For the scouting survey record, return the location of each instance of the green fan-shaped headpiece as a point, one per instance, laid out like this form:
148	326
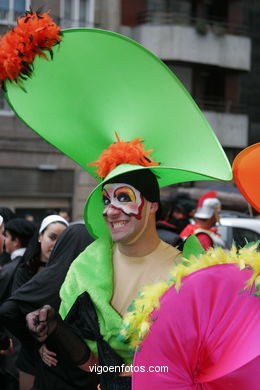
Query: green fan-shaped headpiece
100	82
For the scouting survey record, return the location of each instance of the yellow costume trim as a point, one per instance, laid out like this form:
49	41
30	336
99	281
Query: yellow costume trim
137	321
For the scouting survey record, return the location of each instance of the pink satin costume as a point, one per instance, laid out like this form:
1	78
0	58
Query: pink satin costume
208	335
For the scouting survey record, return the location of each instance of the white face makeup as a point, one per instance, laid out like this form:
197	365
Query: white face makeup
123	197
125	211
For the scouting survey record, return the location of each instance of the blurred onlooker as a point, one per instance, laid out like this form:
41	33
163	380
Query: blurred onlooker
7	215
18	232
182	210
166	230
64	214
8	372
39	249
1	234
29	217
206	217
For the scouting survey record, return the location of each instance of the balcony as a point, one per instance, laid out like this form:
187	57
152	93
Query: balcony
219	26
179	37
228	119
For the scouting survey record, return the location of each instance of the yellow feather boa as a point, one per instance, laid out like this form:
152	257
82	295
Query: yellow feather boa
137	321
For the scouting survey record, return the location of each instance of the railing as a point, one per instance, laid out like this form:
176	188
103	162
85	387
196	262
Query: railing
70	23
219	105
203	26
9	17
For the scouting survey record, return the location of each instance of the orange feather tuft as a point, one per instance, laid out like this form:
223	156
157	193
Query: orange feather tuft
33	34
122	152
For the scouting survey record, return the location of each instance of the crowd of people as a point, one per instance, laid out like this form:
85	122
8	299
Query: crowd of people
38	261
182	216
30	279
34	263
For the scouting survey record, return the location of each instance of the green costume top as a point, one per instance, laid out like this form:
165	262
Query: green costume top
92	271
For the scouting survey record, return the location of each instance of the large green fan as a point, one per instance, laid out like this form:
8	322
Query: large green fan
100	82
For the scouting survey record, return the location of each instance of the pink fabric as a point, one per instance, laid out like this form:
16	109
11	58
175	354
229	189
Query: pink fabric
208	335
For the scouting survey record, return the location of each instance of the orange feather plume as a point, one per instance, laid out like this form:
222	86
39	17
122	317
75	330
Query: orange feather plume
122	152
33	34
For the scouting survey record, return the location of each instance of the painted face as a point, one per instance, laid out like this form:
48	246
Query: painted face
48	239
123	197
124	211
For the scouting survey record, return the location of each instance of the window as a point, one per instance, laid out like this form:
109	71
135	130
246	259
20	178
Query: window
176	6
210	87
67	9
4	106
83	12
4	9
77	13
11	9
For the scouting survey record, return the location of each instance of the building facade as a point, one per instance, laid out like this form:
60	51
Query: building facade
211	45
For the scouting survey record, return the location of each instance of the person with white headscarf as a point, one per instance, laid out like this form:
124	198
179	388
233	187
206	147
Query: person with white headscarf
39	249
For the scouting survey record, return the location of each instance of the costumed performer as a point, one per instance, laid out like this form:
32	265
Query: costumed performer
206	217
137	95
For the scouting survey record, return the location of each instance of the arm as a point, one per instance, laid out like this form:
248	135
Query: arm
45	323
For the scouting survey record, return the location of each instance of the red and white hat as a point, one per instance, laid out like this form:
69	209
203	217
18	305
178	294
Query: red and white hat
208	205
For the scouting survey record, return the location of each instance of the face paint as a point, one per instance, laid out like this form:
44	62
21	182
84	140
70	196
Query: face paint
123	197
126	212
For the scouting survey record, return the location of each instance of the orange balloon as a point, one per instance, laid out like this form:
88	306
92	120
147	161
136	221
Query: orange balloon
246	171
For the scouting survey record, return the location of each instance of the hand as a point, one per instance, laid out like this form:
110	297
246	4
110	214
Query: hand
48	356
9	350
42	322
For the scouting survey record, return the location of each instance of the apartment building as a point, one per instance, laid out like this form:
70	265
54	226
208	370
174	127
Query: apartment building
35	177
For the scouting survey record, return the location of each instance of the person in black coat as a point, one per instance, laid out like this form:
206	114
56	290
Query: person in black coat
18	233
7	214
44	288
